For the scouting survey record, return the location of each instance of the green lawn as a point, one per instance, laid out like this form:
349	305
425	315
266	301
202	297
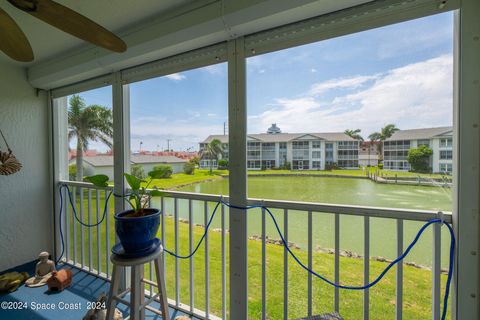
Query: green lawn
417	282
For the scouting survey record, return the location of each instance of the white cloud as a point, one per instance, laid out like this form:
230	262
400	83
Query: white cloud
415	95
176	76
313	70
350	83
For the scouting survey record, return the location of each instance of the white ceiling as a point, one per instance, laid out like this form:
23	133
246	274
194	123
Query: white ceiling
114	15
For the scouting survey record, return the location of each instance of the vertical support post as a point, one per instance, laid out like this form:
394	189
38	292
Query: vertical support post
59	163
121	144
366	267
237	123
436	270
466	215
336	296
399	274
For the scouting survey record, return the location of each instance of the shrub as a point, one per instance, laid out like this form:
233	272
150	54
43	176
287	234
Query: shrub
380	166
72	172
165	170
331	166
287	166
138	172
189	168
195	161
419	158
222	164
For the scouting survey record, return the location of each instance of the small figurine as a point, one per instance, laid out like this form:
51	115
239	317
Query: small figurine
43	271
60	280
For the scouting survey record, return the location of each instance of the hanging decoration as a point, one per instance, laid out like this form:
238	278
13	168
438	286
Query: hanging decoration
8	163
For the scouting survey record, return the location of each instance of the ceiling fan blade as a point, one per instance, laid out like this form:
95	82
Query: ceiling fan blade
12	39
71	22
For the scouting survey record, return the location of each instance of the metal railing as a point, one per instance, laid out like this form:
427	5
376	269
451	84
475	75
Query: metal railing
96	257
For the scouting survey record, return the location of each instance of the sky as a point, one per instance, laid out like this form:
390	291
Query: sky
400	74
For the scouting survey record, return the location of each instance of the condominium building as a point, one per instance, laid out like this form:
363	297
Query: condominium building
304	151
395	149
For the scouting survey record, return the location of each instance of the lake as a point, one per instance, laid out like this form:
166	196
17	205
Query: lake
349	191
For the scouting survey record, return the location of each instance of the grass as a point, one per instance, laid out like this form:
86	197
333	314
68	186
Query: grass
182	179
417	282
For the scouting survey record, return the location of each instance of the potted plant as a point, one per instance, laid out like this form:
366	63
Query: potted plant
136	227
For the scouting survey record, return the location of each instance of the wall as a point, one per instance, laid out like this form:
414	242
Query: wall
25	197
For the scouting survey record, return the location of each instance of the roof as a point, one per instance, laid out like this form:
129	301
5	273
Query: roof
425	133
284	137
106	161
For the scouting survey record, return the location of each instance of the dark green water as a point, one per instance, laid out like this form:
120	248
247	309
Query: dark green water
349	191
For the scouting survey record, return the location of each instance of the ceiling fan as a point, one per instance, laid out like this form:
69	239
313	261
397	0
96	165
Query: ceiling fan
14	43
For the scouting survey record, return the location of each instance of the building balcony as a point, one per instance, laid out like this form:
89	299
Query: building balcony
198	286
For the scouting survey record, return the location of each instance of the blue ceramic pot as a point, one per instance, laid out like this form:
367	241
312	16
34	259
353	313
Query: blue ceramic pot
137	233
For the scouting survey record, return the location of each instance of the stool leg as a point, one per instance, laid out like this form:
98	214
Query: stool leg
161	288
111	303
135	293
142	291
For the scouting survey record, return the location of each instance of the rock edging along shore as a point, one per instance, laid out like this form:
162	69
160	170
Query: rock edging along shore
342	253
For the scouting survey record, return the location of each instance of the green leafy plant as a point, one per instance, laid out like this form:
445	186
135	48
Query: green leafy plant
165	170
419	158
189	168
139	196
223	164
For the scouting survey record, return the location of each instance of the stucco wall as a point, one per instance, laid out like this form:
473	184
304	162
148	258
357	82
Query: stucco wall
25	198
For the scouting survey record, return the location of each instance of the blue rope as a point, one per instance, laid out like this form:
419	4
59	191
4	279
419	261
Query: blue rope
62	187
384	272
285	244
201	239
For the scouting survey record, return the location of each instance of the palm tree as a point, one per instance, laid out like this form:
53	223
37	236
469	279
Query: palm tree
88	123
354	134
211	151
385	133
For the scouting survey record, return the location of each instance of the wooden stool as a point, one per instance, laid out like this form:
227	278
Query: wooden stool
137	302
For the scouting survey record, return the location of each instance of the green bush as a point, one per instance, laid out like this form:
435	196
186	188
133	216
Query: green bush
331	166
189	168
222	164
380	166
195	160
138	172
286	166
72	172
419	159
165	170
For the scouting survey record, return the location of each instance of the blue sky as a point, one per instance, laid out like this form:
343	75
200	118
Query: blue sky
398	74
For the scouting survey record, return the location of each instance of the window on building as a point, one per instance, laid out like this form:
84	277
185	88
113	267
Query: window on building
423	142
446	143
446	167
445	154
316	144
316	154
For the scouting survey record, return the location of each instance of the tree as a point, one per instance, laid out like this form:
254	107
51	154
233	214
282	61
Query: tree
211	151
385	133
354	134
88	123
419	158
138	172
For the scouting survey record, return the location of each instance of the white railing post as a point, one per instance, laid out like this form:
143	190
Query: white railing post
466	215
237	124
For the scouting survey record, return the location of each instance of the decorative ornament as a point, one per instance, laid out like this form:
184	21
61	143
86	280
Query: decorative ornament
8	163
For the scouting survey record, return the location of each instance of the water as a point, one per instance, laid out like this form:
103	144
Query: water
340	191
